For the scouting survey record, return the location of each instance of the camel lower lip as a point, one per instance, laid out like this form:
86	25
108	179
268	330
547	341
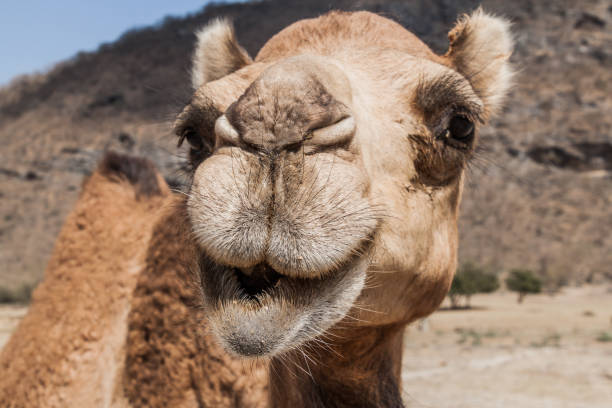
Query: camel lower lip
251	306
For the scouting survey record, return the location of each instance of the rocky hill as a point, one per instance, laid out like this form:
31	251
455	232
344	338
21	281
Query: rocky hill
538	195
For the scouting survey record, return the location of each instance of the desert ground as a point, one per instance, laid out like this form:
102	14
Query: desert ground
549	352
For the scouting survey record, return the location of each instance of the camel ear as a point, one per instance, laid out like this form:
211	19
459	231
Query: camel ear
217	53
480	46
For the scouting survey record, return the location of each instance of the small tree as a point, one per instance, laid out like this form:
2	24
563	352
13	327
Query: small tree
523	281
471	279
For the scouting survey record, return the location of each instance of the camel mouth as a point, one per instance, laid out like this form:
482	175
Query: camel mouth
258	312
260	285
257	281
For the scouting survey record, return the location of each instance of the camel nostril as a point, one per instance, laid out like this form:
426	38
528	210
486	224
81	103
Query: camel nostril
225	131
337	133
257	279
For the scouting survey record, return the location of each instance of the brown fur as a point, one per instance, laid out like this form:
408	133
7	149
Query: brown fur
347	31
171	359
66	352
78	347
362	370
139	172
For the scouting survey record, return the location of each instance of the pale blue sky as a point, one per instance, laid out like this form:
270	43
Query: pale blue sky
36	34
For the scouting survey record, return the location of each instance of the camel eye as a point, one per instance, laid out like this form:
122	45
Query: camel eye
193	138
460	129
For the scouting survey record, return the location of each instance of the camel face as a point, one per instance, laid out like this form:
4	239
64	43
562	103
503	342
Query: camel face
282	210
328	173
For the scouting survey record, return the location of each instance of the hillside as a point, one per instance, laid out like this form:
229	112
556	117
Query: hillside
539	194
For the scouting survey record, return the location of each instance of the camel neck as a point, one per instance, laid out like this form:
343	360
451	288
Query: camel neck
363	371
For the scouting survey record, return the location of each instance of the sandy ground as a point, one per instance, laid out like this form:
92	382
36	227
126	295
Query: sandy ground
544	353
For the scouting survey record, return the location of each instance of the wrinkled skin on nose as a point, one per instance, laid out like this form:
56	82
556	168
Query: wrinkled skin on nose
288	102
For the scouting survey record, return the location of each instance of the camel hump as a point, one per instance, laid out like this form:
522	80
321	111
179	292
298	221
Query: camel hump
138	171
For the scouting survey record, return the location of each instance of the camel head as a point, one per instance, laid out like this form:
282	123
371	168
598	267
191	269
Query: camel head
328	171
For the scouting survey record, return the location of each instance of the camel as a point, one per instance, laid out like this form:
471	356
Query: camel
78	345
327	178
66	350
321	220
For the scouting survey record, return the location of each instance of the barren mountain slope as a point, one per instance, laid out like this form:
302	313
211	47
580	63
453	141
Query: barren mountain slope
537	196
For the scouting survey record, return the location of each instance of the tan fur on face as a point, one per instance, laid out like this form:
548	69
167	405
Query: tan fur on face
217	53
